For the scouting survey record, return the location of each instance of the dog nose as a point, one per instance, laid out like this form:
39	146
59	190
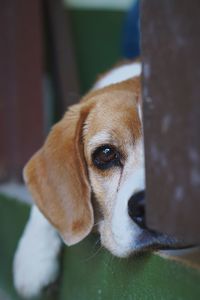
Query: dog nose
136	208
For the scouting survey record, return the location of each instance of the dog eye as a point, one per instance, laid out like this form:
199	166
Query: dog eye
106	157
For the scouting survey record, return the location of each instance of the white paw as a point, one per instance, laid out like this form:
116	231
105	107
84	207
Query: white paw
36	263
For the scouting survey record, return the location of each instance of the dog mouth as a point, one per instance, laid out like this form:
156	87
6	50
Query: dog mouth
150	240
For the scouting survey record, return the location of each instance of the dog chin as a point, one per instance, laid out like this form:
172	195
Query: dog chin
116	249
120	246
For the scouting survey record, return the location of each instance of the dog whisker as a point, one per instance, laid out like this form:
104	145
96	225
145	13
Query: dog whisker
97	223
94	254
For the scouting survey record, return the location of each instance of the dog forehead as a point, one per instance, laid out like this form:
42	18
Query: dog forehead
116	114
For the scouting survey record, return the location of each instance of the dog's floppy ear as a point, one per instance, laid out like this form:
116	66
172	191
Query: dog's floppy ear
57	178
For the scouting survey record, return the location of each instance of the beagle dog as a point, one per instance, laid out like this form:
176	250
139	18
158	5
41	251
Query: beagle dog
90	171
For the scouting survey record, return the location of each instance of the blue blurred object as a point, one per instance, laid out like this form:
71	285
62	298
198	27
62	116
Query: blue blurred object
131	33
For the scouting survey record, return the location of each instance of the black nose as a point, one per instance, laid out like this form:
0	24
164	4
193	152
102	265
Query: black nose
136	208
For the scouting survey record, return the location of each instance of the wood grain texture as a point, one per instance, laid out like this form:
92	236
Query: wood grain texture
171	76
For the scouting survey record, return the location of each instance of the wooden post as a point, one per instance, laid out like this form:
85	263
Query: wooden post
171	90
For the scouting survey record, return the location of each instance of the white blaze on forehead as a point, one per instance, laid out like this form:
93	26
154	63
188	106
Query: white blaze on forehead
119	74
140	111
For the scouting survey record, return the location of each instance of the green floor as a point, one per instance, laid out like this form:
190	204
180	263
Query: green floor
92	273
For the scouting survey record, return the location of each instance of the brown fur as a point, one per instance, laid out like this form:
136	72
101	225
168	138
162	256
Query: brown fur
57	174
133	85
57	178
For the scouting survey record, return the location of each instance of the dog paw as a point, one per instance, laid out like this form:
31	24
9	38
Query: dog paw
36	263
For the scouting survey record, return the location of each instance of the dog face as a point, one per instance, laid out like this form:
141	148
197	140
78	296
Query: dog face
113	148
96	149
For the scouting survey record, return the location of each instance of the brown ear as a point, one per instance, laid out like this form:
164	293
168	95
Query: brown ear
57	178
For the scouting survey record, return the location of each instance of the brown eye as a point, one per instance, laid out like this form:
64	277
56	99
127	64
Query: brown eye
106	157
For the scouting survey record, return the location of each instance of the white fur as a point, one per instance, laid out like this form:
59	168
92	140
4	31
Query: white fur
36	259
122	236
140	111
98	139
119	74
126	231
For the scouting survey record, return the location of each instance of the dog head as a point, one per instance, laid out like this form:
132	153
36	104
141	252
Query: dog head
96	149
